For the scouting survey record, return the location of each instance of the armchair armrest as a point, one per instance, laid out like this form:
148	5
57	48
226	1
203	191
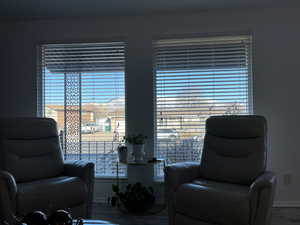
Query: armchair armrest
175	175
266	180
264	188
179	173
78	168
7	181
86	171
8	192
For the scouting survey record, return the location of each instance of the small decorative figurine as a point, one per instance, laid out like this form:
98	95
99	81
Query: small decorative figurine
79	221
60	217
35	218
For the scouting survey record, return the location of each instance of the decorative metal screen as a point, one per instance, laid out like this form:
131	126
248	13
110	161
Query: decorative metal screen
197	78
83	89
72	126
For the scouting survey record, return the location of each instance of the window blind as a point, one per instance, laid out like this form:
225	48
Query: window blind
197	78
83	89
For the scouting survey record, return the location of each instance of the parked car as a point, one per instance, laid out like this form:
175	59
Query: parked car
167	134
198	138
90	128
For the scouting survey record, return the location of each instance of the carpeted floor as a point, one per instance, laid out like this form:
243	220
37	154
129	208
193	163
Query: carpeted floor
280	216
286	216
116	216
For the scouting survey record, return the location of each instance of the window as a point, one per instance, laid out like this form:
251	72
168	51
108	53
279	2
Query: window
83	89
197	78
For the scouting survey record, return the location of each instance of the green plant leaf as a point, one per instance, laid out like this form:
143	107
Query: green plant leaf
115	188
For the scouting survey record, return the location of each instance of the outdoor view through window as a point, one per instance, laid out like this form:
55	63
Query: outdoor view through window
83	89
197	78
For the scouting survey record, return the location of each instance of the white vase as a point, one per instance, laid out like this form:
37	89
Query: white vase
138	152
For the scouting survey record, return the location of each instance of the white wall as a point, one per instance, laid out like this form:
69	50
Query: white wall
276	37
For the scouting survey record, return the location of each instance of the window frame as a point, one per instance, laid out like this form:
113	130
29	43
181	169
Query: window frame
40	92
191	36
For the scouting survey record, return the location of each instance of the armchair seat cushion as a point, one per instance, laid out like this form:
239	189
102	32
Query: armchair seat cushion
62	192
220	203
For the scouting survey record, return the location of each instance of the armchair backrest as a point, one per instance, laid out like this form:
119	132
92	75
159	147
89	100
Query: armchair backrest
29	148
234	149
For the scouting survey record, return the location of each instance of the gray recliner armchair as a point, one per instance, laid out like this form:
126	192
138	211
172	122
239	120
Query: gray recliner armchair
33	175
230	186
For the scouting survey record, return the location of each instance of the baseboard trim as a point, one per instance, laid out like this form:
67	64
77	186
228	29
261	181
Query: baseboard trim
286	204
283	204
101	199
277	204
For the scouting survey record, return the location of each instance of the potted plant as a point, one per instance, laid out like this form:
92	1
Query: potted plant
136	198
136	145
122	153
